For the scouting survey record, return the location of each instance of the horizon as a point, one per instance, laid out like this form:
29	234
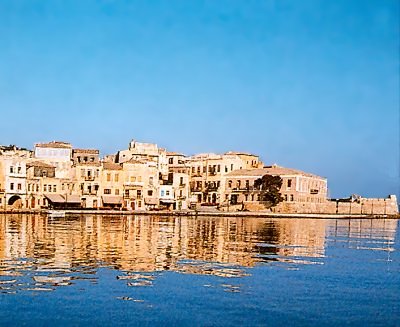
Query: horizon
312	85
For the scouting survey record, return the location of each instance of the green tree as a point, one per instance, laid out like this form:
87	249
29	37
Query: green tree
269	187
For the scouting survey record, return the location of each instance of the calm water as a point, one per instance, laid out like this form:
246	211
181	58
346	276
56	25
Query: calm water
141	270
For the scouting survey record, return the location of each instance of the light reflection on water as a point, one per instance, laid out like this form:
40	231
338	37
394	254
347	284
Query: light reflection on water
40	255
55	252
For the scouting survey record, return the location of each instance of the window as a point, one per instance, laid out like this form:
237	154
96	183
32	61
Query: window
127	193
116	191
116	177
162	192
29	187
291	197
181	181
285	197
11	169
108	177
151	180
231	167
192	170
180	193
62	186
230	184
226	169
139	203
171	161
37	188
289	183
11	186
44	188
238	184
139	194
54	188
19	170
218	168
133	178
247	184
167	193
82	172
150	193
204	169
107	191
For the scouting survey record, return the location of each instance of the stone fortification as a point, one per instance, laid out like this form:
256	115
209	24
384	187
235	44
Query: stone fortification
363	206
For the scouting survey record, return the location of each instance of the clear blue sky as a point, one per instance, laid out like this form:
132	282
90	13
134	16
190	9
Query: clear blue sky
307	84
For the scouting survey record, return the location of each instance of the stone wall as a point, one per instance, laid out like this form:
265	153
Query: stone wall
365	206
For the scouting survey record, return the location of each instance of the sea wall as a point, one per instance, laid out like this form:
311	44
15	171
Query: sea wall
363	206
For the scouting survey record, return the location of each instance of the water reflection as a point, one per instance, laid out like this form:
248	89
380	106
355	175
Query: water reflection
40	254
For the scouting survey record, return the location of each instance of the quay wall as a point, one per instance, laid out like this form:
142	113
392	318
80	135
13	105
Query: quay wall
364	206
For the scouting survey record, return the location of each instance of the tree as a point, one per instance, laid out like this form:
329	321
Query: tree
269	187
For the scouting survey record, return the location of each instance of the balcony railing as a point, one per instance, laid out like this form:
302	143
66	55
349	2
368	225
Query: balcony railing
89	178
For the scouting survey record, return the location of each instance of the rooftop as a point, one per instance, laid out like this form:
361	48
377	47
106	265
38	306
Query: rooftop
271	170
54	144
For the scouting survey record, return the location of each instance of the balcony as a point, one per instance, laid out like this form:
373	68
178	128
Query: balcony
134	184
182	185
89	192
195	189
89	178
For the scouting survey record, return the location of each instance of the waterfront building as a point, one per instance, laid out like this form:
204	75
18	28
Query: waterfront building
297	186
87	176
140	184
13	181
111	185
207	171
145	152
178	177
58	154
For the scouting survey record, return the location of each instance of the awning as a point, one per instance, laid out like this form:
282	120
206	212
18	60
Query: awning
111	199
151	201
167	200
72	198
55	198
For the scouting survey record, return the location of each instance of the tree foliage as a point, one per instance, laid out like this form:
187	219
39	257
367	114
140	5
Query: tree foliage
269	187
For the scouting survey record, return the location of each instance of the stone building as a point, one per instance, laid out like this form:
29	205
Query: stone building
178	177
207	171
145	152
87	176
112	185
140	184
297	187
58	154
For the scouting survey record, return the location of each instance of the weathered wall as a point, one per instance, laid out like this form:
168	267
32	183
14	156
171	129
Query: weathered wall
372	206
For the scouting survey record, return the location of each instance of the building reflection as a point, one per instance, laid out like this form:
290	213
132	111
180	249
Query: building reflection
154	243
56	252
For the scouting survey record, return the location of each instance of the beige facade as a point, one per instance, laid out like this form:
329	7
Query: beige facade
145	152
112	185
297	186
140	184
87	176
179	177
207	171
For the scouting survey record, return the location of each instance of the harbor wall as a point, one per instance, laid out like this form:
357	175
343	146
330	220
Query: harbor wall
363	206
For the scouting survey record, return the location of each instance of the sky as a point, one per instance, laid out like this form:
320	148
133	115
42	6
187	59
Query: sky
310	84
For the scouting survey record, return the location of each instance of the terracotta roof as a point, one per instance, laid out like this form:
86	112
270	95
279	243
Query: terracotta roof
39	164
54	144
175	154
111	166
241	153
271	170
